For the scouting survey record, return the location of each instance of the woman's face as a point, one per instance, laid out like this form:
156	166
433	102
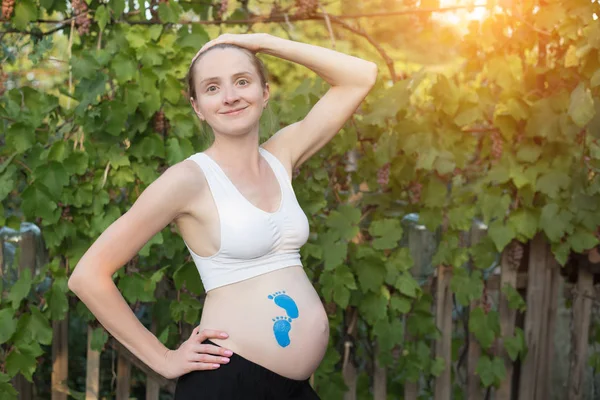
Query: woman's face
229	93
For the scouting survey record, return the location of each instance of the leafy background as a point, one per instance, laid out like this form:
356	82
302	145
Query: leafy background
492	120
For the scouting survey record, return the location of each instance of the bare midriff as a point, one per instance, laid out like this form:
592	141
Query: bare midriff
289	343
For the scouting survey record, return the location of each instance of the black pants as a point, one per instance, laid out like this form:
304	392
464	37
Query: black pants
241	379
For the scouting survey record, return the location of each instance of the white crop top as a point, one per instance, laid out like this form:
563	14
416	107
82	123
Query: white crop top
253	241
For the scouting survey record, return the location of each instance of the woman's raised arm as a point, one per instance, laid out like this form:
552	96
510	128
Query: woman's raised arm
351	79
162	202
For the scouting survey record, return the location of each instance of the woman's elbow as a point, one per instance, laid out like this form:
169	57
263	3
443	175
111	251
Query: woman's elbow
372	72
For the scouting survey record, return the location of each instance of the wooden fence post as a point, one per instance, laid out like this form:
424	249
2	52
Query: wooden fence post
582	307
60	358
550	308
379	378
443	319
123	377
534	379
509	268
92	371
348	368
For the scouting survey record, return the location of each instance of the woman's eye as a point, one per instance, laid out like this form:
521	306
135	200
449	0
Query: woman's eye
244	81
210	88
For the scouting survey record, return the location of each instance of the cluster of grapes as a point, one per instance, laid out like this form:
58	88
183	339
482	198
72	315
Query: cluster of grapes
161	124
414	192
497	146
306	7
82	18
383	175
222	9
514	254
66	212
7	8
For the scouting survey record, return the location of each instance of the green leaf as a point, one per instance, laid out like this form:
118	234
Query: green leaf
491	371
467	287
386	233
371	273
555	221
175	153
484	326
7	391
20	289
136	287
20	136
336	250
407	285
343	221
341	295
501	234
373	307
25	12
529	153
400	304
551	182
99	338
21	361
169	12
8	325
57	299
102	16
515	301
582	240
39	326
344	276
123	68
581	108
117	6
515	344
194	40
54	176
37	202
188	275
524	222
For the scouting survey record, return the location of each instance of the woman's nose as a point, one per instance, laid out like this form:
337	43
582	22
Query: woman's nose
231	95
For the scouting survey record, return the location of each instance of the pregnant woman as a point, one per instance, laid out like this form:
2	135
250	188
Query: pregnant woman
263	330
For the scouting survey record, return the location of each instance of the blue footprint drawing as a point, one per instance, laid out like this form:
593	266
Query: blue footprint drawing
281	330
284	301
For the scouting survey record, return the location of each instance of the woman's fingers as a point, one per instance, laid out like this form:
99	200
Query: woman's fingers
211	349
210	333
209	359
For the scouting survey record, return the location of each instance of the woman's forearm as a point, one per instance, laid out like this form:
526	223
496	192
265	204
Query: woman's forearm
336	68
104	300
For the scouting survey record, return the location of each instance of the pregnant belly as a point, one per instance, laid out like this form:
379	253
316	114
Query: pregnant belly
275	320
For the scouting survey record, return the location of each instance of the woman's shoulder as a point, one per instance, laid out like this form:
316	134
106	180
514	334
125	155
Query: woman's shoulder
185	176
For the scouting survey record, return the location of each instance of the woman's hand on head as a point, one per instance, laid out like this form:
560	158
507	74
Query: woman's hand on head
192	355
250	41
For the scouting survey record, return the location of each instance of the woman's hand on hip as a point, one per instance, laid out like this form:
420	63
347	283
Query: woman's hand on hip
192	355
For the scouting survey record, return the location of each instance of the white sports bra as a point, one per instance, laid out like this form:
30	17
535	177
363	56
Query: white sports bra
253	241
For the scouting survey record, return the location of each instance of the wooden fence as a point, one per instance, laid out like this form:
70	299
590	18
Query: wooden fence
536	277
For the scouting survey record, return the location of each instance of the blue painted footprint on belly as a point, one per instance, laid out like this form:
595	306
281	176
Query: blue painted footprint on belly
284	301
281	330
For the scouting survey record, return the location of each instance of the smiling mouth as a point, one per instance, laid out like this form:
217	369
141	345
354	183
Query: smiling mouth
234	112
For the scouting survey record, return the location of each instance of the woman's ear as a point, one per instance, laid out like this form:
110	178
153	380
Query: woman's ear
194	106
